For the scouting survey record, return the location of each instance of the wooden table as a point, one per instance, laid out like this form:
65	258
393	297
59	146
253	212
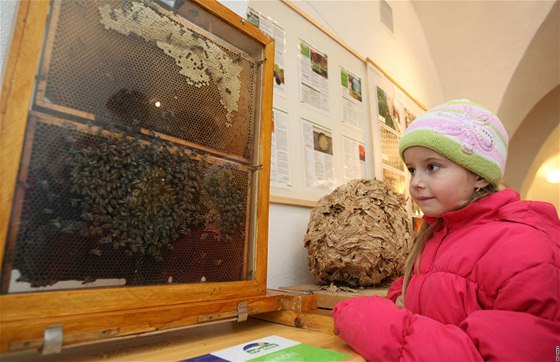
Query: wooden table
187	343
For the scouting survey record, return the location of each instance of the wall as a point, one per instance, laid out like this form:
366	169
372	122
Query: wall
7	19
403	55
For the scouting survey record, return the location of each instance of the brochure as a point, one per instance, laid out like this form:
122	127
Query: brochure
271	349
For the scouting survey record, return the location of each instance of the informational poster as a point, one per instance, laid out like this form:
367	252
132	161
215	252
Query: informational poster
389	110
271	28
392	111
314	77
318	156
391	125
280	155
351	99
354	159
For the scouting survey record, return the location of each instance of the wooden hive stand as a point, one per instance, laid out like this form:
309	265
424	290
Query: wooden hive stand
310	306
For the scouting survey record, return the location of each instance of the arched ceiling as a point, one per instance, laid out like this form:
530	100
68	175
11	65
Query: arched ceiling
505	55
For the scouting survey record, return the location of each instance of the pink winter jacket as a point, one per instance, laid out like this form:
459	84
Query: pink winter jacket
488	289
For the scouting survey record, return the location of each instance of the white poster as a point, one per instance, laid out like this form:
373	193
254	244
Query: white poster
314	77
318	156
271	28
354	159
351	99
280	155
391	125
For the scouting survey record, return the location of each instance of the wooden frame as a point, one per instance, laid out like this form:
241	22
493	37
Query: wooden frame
94	314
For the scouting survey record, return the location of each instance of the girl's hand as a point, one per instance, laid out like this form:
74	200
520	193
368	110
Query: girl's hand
399	302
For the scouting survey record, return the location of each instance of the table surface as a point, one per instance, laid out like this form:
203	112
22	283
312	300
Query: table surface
187	343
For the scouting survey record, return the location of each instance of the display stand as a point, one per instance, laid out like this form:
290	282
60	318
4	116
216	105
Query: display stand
316	316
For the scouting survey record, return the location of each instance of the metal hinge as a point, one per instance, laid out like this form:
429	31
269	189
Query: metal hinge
242	311
53	338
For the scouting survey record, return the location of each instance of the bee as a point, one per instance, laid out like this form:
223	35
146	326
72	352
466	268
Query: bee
96	252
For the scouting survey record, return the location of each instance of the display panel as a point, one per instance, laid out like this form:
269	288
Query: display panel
140	161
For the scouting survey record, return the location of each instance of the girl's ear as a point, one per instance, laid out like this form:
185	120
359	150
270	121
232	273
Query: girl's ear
481	183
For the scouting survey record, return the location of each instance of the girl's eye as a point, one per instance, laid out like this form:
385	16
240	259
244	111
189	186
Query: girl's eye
432	167
411	170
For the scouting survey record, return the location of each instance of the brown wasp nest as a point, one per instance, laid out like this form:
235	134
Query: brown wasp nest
359	235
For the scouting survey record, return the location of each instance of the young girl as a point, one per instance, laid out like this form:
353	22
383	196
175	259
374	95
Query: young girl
483	279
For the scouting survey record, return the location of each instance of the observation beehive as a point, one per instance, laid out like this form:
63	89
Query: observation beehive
144	140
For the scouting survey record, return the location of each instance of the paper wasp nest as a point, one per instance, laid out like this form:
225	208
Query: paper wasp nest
359	235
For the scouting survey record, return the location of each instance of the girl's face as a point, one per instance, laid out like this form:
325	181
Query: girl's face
437	184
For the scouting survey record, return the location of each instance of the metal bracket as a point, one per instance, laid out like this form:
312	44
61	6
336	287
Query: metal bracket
53	338
242	311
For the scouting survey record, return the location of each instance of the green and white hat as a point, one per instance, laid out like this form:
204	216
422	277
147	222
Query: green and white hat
465	133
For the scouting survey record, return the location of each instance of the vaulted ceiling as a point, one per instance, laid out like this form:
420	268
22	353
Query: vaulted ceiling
505	55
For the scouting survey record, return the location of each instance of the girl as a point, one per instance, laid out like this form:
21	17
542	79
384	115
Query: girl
483	279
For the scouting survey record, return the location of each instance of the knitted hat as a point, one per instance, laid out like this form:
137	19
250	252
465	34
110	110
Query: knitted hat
465	133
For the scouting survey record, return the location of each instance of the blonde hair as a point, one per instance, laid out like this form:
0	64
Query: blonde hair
412	263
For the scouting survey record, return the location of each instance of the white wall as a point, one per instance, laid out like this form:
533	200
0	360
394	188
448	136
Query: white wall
287	257
403	55
7	19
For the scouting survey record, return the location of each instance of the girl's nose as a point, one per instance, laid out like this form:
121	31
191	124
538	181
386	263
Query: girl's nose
417	182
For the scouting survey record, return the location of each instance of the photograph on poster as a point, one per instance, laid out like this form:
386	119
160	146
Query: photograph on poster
355	87
351	85
319	63
318	156
351	99
362	152
322	142
387	112
314	87
354	159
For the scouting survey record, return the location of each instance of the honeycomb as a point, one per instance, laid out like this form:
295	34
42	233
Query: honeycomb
123	61
137	161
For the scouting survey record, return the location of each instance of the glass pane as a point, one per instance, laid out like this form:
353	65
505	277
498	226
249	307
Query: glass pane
140	157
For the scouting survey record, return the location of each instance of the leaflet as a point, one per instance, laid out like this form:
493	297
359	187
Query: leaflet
271	349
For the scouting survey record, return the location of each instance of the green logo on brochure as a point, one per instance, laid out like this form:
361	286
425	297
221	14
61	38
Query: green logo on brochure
253	348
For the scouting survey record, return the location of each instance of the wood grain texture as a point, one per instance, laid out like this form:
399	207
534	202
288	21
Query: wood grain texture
188	343
328	299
